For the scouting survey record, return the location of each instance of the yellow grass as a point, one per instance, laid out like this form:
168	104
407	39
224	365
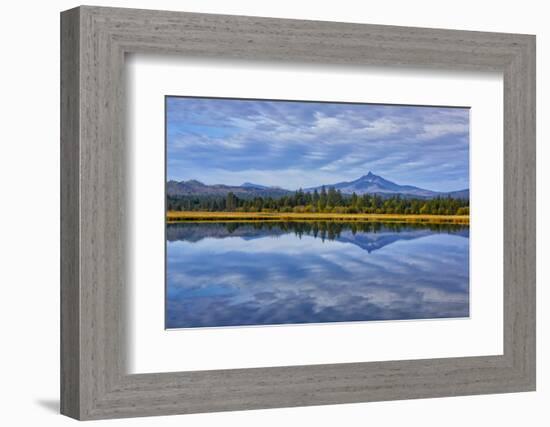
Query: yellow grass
194	216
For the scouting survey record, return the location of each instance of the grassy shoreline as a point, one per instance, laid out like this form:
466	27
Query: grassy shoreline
196	216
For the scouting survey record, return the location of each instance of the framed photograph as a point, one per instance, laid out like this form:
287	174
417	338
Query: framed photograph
296	234
262	213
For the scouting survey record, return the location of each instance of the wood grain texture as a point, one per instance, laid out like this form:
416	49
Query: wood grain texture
70	258
94	238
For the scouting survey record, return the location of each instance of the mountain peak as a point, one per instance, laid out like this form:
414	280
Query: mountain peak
375	184
370	175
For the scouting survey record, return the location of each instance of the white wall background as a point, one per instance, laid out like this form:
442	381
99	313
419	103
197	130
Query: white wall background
29	238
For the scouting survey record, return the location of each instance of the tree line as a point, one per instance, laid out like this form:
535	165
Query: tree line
324	201
326	229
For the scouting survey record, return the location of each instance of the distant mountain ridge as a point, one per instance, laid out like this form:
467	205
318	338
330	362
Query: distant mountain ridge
246	190
367	184
252	185
375	184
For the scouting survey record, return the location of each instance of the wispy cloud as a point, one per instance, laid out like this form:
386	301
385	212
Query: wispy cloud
301	144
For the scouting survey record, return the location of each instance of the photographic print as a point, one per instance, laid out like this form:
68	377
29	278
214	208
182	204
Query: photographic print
296	212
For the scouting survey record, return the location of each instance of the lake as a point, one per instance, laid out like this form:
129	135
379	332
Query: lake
270	273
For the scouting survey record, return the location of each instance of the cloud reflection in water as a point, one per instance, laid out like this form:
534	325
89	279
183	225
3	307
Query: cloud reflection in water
231	275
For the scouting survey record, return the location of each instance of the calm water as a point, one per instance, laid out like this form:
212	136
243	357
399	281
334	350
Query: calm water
230	274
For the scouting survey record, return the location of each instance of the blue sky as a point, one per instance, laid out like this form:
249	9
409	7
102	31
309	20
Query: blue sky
305	144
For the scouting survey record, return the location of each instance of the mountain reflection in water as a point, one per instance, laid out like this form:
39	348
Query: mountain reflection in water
264	273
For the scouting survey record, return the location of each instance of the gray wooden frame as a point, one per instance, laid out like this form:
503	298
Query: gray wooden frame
94	382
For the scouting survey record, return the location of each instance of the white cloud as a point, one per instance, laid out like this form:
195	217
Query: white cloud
436	130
